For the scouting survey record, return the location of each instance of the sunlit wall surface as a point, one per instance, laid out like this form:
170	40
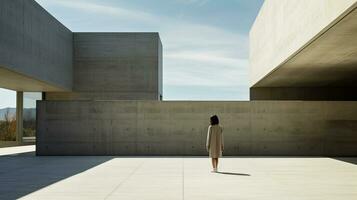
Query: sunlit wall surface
29	113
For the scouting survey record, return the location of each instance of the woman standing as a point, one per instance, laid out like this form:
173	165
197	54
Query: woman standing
214	144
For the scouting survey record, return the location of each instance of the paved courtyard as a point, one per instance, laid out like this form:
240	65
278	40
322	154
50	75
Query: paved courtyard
25	176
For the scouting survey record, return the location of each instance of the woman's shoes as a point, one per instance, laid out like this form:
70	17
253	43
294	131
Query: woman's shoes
214	170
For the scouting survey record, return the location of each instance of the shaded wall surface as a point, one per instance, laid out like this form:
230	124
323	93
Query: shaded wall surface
111	66
34	47
311	128
304	93
284	28
318	63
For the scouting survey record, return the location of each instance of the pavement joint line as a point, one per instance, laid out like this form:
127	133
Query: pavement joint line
132	173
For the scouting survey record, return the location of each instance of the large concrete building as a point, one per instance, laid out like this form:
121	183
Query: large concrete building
103	91
304	50
38	53
115	66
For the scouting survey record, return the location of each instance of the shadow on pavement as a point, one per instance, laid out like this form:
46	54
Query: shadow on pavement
231	173
352	160
30	153
24	173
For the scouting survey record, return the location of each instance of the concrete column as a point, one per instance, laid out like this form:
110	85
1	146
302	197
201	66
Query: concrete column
19	116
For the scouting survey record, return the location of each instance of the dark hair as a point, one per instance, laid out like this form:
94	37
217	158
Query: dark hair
214	120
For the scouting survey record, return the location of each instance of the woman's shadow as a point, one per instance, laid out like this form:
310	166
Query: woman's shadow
231	173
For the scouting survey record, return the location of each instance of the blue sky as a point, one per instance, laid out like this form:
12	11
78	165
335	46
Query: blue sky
205	41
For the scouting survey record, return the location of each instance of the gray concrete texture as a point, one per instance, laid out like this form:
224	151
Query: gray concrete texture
35	48
295	58
112	66
310	128
303	93
181	178
299	43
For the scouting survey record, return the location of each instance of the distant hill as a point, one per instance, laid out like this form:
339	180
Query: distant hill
12	112
28	113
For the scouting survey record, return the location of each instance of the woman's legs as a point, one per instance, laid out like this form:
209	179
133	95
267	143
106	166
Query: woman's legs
213	163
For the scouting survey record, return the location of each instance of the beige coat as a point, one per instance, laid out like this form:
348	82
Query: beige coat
215	144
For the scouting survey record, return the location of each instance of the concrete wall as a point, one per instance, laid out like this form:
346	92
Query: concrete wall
180	128
34	44
160	71
304	93
283	28
113	66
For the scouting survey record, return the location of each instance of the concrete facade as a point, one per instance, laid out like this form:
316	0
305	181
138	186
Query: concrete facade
306	45
36	49
112	66
180	128
303	93
38	53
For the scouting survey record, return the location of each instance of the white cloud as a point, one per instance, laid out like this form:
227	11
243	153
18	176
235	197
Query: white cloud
200	55
188	72
206	57
97	8
8	98
196	2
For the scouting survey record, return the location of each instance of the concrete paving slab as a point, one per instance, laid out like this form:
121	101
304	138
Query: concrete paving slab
25	176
